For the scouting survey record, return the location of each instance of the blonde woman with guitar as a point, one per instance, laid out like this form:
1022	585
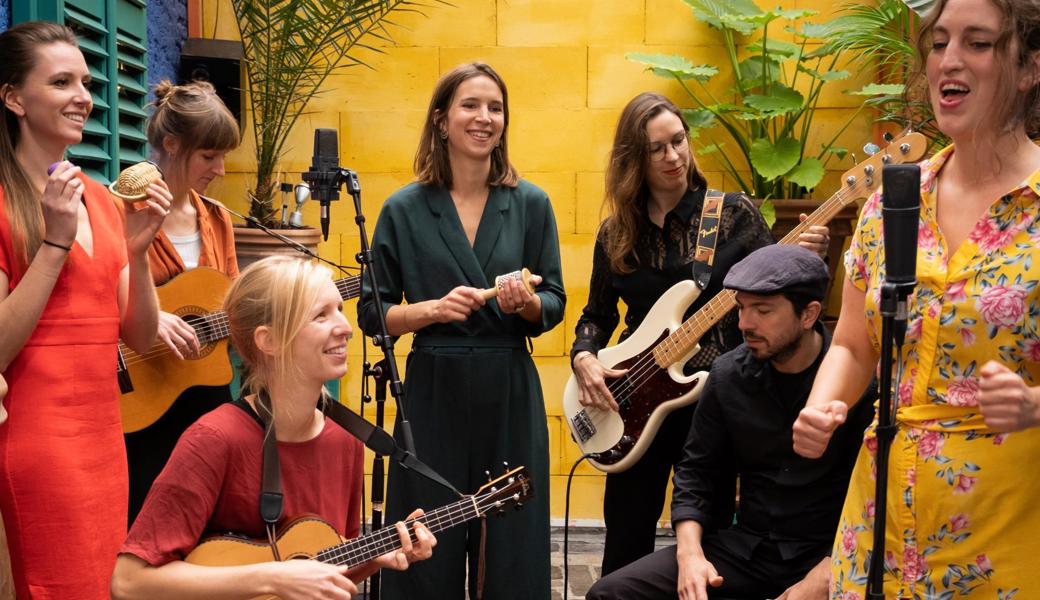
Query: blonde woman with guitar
190	132
654	195
286	321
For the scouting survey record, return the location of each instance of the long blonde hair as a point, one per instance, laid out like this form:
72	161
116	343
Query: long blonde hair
277	292
18	47
626	188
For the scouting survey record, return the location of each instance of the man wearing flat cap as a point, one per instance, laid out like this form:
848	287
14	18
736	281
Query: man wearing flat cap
779	544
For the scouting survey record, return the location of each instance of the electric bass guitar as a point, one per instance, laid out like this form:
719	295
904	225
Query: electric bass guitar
655	353
150	382
312	538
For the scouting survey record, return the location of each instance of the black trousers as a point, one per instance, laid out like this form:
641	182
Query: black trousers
634	499
764	575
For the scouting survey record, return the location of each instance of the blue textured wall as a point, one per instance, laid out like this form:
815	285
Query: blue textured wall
5	14
167	30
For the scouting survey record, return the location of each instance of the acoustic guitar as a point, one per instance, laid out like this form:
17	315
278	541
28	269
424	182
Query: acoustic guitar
312	538
655	353
150	382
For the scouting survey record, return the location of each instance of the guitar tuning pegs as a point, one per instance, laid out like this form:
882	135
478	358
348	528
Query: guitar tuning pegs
871	149
488	473
505	467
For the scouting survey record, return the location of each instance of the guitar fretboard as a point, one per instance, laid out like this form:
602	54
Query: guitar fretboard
683	340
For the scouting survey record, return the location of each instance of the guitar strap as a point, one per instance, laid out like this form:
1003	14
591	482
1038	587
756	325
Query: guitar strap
374	438
707	237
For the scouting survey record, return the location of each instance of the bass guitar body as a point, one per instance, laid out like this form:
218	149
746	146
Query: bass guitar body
159	377
646	394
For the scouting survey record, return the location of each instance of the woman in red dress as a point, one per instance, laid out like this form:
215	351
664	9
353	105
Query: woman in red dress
75	279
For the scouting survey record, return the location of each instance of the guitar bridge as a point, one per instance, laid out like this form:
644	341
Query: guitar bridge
583	426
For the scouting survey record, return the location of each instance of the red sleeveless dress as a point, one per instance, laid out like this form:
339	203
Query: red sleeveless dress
63	480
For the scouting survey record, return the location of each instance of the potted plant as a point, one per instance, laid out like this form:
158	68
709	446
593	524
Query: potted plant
290	48
760	132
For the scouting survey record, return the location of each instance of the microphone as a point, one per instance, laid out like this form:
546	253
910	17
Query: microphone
302	193
324	174
900	213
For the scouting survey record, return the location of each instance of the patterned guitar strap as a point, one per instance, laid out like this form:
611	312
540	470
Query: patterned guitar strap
707	237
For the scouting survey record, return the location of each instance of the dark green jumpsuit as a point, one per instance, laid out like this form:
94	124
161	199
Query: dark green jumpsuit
472	393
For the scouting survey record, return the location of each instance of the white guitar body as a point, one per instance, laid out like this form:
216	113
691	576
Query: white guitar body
600	431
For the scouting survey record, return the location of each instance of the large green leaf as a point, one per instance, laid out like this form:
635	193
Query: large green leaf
807	174
768	212
781	101
774	160
711	11
751	69
698	118
670	65
775	48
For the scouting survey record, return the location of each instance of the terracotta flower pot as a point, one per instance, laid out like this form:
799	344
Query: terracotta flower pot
252	244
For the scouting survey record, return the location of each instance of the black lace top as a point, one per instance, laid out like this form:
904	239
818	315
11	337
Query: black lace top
665	257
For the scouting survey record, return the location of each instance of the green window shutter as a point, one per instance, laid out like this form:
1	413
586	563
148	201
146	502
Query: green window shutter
113	40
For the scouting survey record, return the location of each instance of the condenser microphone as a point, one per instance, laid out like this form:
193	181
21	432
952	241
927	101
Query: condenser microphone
324	175
900	213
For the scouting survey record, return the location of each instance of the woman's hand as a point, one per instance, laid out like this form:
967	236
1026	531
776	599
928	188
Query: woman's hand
815	425
816	238
178	335
308	579
1007	403
60	203
410	552
456	305
513	295
143	223
592	387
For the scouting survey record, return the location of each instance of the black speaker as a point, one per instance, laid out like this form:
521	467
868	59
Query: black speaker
218	62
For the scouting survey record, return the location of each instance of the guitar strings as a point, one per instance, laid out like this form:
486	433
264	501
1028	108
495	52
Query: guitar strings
644	369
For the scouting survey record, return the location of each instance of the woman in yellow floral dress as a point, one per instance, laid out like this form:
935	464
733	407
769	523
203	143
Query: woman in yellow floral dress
962	519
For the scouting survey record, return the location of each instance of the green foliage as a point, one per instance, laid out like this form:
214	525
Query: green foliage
767	116
291	47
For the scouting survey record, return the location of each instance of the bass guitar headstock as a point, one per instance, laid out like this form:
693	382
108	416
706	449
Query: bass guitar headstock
861	181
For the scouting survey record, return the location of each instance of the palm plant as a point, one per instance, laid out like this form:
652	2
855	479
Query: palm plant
291	47
884	33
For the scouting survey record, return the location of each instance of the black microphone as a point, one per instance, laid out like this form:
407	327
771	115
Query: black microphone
900	213
324	175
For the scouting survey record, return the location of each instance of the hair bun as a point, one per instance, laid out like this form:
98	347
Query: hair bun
163	90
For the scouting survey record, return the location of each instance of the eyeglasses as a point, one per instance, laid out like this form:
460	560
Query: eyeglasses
658	150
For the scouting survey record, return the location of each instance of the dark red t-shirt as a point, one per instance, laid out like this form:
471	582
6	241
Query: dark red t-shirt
211	485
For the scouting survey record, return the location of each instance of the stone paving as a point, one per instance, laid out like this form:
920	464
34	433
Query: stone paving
585	552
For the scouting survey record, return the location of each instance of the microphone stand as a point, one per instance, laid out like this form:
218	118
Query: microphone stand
380	375
893	331
381	339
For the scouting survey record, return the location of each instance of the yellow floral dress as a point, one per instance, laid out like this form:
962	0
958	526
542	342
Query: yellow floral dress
964	502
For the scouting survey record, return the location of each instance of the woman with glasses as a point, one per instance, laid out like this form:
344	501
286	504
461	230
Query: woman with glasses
654	195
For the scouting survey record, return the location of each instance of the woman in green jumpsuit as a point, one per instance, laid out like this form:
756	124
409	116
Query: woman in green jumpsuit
472	393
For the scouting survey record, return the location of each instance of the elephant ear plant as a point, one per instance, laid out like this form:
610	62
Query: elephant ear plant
290	48
761	129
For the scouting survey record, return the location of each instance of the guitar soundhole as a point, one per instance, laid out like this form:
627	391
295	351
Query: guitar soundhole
202	329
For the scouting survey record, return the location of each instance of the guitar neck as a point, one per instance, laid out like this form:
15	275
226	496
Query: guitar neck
684	339
363	549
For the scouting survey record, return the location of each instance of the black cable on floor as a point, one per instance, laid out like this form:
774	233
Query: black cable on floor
567	521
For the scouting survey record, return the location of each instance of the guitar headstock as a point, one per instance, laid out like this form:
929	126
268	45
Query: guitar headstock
861	181
512	489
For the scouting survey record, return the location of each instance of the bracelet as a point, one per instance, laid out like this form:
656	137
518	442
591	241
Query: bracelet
65	248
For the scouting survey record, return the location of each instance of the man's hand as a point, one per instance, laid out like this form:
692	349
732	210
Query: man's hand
815	424
814	586
696	573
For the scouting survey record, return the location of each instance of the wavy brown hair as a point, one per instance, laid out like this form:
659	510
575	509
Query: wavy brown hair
196	117
1021	26
18	47
432	163
626	188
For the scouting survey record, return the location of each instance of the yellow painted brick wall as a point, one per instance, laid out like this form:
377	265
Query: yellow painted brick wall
563	61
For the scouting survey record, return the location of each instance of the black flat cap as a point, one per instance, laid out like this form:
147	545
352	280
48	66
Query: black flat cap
780	268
